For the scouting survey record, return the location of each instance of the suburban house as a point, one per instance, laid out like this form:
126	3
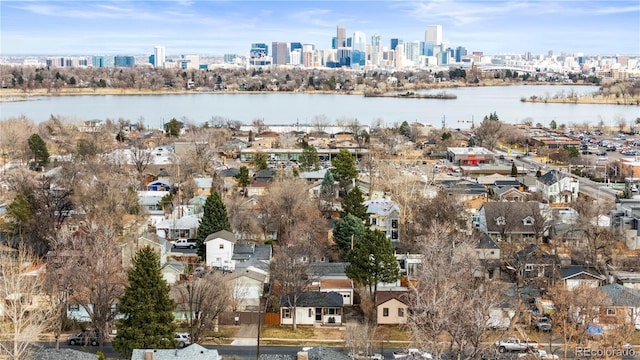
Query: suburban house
171	271
628	279
191	352
509	194
558	187
159	185
149	202
219	250
392	307
533	264
343	287
225	253
384	215
174	228
408	264
203	185
514	221
160	246
575	276
625	220
312	307
488	252
247	288
622	307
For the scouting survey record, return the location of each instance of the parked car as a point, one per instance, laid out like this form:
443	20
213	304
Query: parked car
183	339
84	337
184	244
514	344
543	324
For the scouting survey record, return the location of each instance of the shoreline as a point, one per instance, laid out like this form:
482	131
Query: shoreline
13	95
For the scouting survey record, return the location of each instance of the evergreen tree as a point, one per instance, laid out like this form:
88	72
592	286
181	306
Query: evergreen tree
172	128
147	308
372	261
39	149
214	219
344	168
353	204
349	228
309	160
243	179
328	185
259	161
514	170
404	129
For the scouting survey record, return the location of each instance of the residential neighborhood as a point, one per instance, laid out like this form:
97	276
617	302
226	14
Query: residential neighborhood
457	239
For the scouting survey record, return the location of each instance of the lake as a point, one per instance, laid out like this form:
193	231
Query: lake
472	104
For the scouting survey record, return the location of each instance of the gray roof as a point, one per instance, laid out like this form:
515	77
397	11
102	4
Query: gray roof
328	268
314	299
622	296
222	234
486	242
514	213
63	354
259	258
192	352
230	172
551	177
575	270
315	353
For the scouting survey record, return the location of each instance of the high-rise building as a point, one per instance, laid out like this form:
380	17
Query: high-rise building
258	50
376	50
159	56
124	61
394	43
341	36
295	45
412	53
280	53
358	49
433	34
460	52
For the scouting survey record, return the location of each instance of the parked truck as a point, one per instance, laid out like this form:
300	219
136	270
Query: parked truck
184	244
514	344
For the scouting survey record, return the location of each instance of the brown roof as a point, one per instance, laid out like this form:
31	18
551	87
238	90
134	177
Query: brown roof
384	296
336	284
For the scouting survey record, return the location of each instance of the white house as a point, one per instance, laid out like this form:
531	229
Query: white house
247	288
219	250
312	308
384	215
575	276
558	187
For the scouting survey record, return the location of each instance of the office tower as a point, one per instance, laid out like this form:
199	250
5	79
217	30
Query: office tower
159	56
341	36
280	53
399	56
394	43
433	34
295	57
230	58
376	50
412	53
295	45
258	50
358	49
124	61
344	56
460	52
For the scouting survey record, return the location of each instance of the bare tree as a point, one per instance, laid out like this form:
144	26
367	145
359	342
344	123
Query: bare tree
488	133
25	310
320	123
259	126
141	158
202	299
92	262
359	338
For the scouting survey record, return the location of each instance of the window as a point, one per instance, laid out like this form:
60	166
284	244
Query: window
374	221
528	220
401	312
332	311
501	221
221	246
74	307
394	235
310	312
286	313
385	312
611	311
528	267
394	223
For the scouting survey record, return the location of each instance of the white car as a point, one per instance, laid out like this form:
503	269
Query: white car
183	339
412	353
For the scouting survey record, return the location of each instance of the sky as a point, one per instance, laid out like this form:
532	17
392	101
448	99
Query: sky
131	27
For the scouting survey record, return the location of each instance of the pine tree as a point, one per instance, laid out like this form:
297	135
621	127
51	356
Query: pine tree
372	261
514	170
214	219
39	149
147	308
353	204
347	231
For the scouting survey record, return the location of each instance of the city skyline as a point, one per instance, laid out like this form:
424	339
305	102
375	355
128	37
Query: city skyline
220	27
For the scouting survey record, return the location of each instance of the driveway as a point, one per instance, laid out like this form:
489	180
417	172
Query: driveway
247	335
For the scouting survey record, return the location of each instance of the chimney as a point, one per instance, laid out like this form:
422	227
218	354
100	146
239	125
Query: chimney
148	355
302	355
